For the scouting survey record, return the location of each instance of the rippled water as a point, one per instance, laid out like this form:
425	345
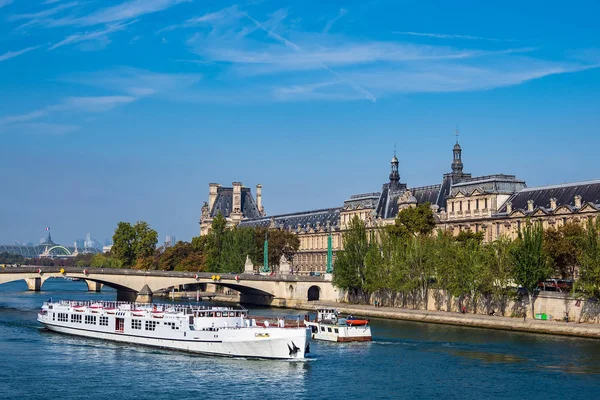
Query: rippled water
406	360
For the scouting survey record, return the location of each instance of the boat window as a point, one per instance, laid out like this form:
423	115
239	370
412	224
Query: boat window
76	318
103	321
322	329
53	316
336	330
136	324
63	317
151	325
231	314
90	319
218	314
211	314
328	329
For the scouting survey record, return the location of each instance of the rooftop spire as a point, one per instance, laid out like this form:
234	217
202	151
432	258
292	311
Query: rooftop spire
457	165
394	175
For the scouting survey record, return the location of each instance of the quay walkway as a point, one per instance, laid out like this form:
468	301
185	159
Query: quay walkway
589	330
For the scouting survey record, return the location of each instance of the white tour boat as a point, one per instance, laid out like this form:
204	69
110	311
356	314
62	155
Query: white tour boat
329	327
223	331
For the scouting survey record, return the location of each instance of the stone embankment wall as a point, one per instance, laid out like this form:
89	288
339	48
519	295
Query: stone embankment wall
547	305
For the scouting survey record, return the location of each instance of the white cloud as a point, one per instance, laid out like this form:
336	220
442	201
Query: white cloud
449	36
95	35
330	23
125	11
5	3
11	54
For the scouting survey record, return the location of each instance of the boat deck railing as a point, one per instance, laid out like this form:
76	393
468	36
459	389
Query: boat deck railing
185	308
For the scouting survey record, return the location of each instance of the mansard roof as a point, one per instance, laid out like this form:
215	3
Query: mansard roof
307	220
563	193
224	203
427	194
498	183
362	201
387	206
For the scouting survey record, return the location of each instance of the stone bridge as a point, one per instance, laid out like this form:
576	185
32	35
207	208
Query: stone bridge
137	285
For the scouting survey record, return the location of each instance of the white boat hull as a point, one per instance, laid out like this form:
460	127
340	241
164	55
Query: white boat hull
339	333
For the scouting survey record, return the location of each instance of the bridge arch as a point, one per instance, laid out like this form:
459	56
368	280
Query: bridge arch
59	251
314	292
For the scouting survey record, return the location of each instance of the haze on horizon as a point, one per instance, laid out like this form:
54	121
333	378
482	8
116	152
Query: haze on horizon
127	111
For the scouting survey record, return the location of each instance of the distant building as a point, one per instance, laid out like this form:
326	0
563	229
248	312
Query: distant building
170	240
495	205
79	244
107	249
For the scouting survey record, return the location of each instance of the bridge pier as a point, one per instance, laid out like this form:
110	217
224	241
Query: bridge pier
34	284
144	295
93	286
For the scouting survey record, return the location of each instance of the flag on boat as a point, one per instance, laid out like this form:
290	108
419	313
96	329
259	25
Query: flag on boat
47	228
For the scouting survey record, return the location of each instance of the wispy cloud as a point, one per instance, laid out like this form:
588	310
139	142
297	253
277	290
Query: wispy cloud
125	11
132	84
448	36
330	23
81	37
11	54
297	48
5	3
41	128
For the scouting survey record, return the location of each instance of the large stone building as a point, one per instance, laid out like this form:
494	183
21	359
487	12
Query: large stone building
496	205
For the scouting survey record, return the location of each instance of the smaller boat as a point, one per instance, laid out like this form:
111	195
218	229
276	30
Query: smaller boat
328	326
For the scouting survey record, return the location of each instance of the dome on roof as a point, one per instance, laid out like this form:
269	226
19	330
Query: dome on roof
457	146
394	159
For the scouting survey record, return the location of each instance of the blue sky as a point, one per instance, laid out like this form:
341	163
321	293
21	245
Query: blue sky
127	110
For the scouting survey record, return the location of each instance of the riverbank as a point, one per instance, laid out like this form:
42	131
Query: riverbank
587	330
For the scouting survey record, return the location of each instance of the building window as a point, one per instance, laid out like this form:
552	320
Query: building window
460	206
136	324
497	230
468	205
103	321
452	206
90	319
477	204
485	204
518	225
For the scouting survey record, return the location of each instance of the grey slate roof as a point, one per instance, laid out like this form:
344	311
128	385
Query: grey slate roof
306	220
428	194
364	200
224	203
564	195
387	206
499	183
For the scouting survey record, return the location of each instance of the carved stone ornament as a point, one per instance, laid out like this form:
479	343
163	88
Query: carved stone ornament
205	210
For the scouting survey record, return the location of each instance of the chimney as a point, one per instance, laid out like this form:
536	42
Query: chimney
553	203
530	205
577	201
259	197
213	188
508	207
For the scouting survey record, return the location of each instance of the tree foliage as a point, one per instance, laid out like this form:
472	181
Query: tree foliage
564	247
530	260
350	265
133	242
589	260
414	221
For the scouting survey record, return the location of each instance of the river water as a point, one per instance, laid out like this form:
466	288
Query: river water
406	360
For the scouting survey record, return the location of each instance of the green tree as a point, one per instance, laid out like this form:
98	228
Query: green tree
589	260
500	264
564	247
281	244
237	244
349	271
530	260
123	247
214	243
145	240
468	235
414	221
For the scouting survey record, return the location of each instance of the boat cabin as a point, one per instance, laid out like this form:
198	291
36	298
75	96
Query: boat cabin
327	315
